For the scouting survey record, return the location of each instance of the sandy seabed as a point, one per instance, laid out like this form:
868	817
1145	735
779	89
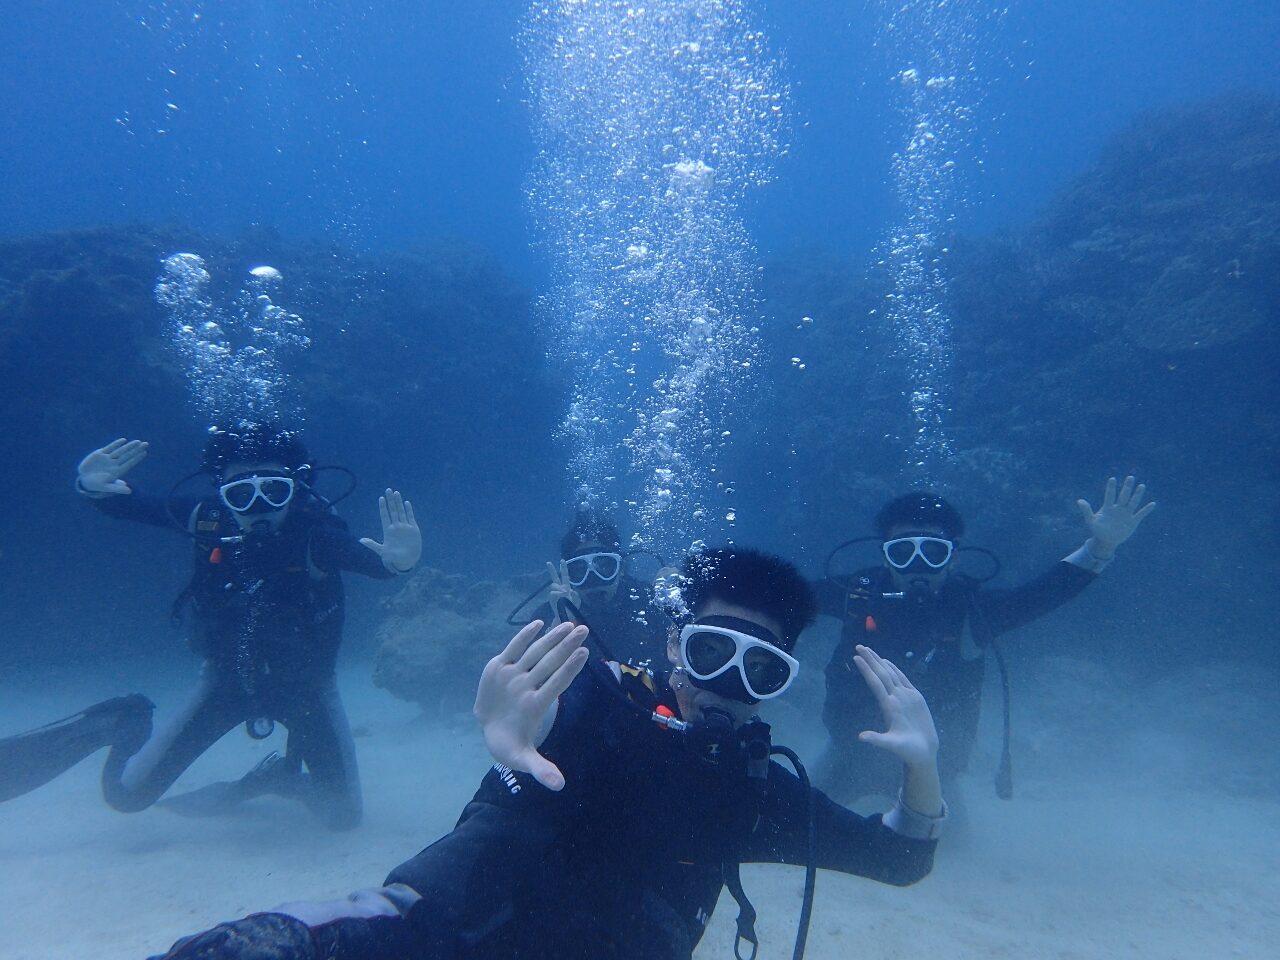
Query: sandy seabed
1071	868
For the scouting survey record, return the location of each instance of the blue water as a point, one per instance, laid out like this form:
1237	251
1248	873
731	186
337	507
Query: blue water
483	311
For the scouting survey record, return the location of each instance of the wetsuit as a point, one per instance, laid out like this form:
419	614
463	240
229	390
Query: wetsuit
627	861
266	615
938	641
629	625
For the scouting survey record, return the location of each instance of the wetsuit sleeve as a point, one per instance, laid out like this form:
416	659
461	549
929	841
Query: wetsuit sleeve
831	598
998	611
845	841
142	508
334	548
368	925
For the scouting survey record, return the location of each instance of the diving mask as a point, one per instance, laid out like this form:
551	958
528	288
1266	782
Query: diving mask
719	656
901	552
606	567
241	495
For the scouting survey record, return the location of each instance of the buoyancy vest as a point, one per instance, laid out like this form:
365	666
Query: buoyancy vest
261	606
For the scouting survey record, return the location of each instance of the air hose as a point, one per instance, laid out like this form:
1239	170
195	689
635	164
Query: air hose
811	858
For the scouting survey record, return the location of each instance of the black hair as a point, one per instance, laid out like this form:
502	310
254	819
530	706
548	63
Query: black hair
749	578
253	443
589	526
920	508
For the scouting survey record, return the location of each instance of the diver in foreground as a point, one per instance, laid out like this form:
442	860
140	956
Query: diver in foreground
622	802
937	624
267	604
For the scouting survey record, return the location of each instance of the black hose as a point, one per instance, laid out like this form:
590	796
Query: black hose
811	863
1004	775
513	618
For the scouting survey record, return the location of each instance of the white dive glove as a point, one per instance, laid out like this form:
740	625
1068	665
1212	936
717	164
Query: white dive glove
100	473
1112	524
401	545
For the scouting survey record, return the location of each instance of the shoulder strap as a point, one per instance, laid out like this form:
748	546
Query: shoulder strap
732	874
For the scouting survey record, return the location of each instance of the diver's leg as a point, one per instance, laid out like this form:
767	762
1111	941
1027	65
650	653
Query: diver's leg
32	759
320	737
133	783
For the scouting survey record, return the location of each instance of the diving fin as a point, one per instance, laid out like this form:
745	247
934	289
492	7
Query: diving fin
30	760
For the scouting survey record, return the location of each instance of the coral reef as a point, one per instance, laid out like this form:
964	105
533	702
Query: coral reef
439	631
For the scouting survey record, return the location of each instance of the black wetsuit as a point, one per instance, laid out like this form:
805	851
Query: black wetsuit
629	625
266	615
627	861
938	641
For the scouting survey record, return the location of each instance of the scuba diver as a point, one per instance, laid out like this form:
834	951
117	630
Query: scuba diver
937	623
622	801
592	586
266	609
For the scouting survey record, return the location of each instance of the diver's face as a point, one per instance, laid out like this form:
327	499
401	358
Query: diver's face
594	590
260	516
694	700
918	578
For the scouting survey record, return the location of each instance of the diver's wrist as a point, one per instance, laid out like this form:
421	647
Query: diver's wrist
1087	557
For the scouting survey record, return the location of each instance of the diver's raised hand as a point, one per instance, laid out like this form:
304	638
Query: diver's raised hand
100	473
517	689
910	733
401	545
1114	522
561	588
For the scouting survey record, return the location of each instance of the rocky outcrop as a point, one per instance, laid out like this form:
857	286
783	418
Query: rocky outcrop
439	631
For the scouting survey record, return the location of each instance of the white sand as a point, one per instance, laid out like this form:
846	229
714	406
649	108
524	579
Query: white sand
1075	867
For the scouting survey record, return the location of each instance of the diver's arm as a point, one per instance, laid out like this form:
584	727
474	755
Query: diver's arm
334	547
367	925
100	479
143	508
1112	524
886	849
998	611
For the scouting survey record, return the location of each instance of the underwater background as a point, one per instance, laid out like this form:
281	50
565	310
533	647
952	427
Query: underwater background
1104	265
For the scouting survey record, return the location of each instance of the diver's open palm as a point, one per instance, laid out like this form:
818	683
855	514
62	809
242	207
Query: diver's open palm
101	472
910	733
1119	515
517	689
401	545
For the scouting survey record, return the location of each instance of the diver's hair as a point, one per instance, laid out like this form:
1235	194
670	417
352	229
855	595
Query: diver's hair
247	442
752	579
920	508
589	526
